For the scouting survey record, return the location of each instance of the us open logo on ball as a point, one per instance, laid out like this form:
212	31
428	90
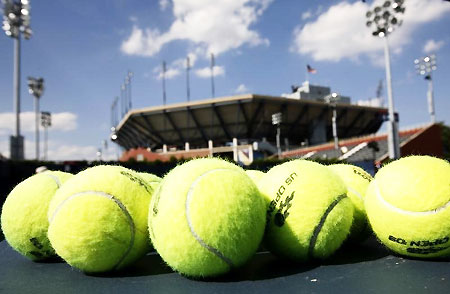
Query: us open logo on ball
422	246
283	208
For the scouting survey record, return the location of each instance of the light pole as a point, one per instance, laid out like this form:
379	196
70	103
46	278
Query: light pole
213	63
164	82
383	19
276	121
16	20
425	67
36	88
46	122
188	68
122	101
332	100
114	112
128	83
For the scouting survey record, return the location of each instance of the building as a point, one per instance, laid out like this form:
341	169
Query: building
313	92
241	124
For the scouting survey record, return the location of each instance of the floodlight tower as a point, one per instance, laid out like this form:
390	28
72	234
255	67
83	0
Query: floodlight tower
46	122
425	67
36	88
277	119
332	100
128	83
383	20
16	20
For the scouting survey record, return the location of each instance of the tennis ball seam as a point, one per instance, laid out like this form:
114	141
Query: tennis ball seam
119	204
350	189
55	178
402	211
318	228
189	194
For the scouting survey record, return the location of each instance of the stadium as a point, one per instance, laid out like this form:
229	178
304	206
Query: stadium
243	127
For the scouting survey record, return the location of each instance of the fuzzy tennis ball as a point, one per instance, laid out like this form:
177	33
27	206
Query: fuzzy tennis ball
206	218
24	214
408	206
98	219
255	175
357	181
308	212
152	180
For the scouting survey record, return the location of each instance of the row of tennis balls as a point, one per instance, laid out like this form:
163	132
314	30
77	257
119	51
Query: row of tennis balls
98	218
207	217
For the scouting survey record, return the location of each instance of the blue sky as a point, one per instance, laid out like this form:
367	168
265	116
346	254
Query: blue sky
83	50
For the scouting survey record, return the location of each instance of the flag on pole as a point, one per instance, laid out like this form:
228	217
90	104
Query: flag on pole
310	69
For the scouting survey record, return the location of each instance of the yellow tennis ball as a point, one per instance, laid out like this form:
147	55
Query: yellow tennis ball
308	212
255	175
152	180
206	218
408	206
24	214
357	181
98	219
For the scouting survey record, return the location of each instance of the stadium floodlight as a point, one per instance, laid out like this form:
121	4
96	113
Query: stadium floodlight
384	19
128	82
16	21
425	66
36	88
332	100
277	118
46	122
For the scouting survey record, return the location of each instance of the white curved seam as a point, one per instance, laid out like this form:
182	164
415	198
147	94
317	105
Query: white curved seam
399	210
213	250
55	178
356	193
115	200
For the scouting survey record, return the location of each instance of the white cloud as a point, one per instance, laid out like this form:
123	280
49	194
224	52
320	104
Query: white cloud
241	89
340	32
164	4
176	67
206	71
170	73
145	43
202	22
306	15
432	46
59	150
133	18
62	121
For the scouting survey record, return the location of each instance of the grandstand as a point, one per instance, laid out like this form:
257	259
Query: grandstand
242	120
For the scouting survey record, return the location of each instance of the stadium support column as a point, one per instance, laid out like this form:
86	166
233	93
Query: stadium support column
210	147
235	150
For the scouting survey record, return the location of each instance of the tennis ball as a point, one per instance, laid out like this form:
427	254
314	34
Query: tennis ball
255	175
24	214
98	219
357	181
408	206
206	218
308	212
152	180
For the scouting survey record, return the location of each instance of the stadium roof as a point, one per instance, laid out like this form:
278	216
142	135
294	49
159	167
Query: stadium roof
246	117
